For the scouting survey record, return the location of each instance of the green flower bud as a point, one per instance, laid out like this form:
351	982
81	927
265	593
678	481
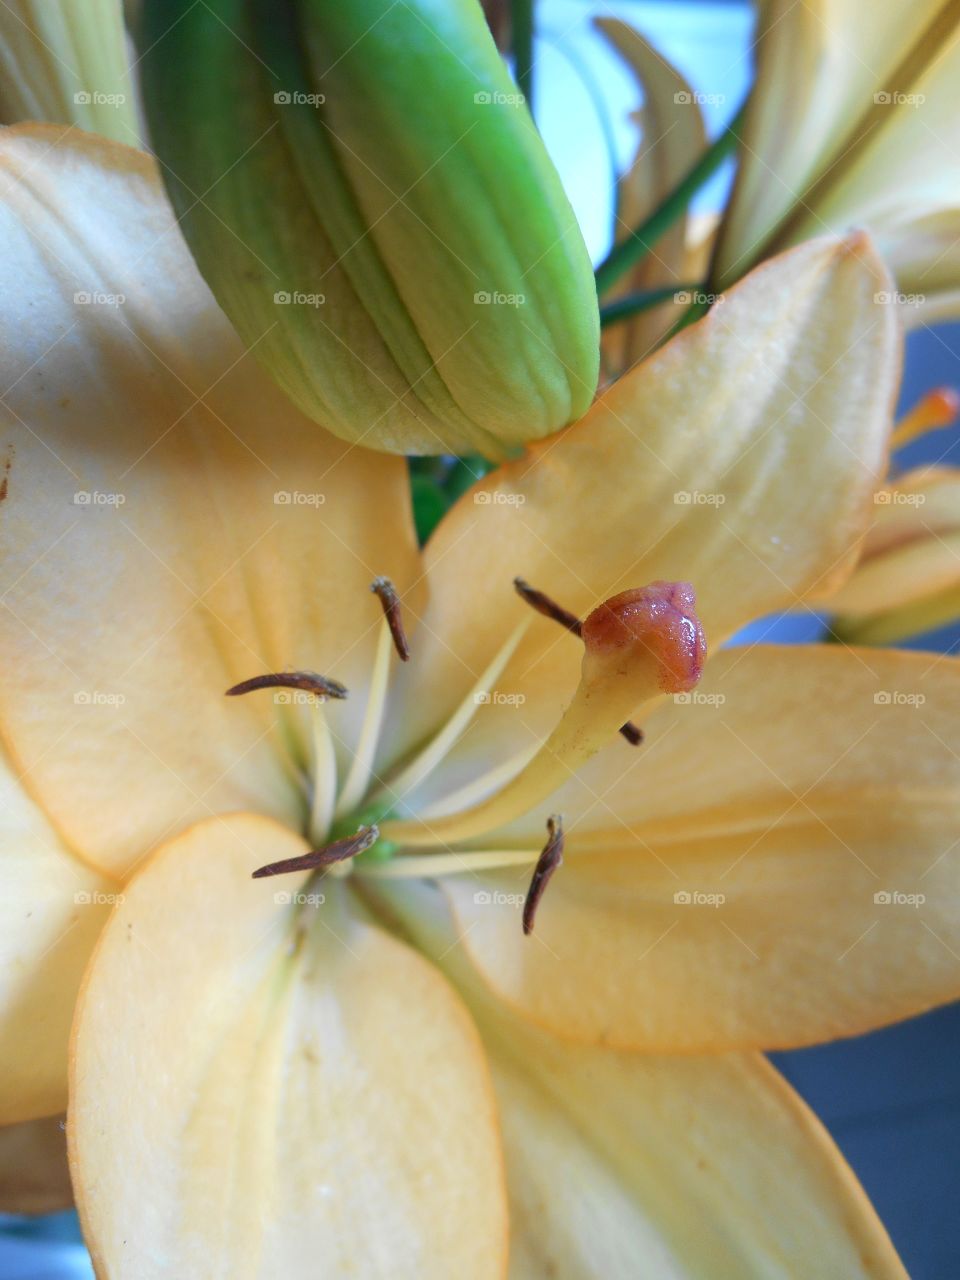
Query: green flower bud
367	196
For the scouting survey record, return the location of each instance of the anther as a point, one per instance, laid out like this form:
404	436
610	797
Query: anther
386	593
547	863
336	851
550	609
307	681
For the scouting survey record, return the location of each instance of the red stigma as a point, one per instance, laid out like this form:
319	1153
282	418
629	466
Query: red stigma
662	617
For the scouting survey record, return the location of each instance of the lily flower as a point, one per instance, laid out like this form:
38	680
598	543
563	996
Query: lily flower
907	579
851	123
672	138
380	1062
65	63
386	230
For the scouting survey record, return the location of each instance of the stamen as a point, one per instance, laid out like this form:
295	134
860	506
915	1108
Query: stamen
307	681
550	609
549	860
336	851
386	593
937	408
637	646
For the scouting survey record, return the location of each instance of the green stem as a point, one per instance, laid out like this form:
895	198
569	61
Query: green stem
521	19
633	303
641	240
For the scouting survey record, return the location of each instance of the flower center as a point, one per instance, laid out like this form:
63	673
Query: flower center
638	645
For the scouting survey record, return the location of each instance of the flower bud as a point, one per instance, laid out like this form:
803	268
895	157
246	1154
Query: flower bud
369	200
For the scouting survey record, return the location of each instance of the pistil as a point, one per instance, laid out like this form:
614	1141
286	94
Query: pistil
550	609
637	645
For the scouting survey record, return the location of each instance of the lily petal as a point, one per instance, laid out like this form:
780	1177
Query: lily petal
684	1168
672	139
301	1093
34	1177
51	911
68	65
756	494
777	867
171	525
908	576
847	95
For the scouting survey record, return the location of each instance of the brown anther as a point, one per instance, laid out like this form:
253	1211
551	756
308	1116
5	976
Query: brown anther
336	851
386	593
307	681
547	863
550	609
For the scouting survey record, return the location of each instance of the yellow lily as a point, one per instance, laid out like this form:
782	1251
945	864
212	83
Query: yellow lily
375	1072
851	122
908	578
68	64
672	137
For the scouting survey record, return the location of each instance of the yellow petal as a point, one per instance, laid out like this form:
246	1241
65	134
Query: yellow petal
171	525
843	129
67	64
722	891
672	138
51	911
622	1165
742	458
34	1177
299	1093
908	574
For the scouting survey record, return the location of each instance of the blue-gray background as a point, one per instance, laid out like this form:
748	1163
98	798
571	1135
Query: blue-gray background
891	1099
